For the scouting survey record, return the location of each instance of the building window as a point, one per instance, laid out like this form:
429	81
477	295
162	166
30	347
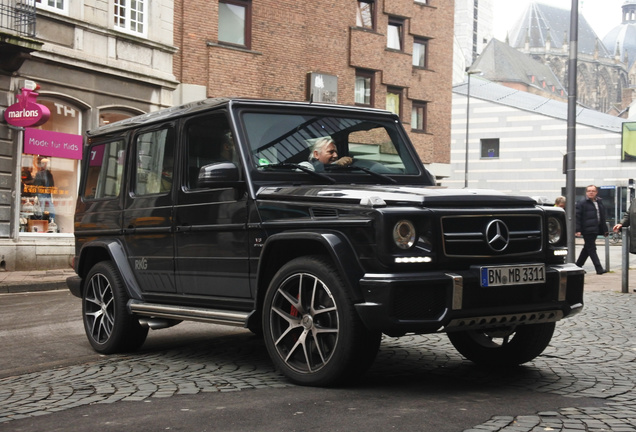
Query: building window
418	116
394	100
235	18
395	34
53	5
364	87
420	52
365	16
130	16
490	148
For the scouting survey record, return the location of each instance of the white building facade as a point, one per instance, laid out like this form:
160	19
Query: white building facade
517	142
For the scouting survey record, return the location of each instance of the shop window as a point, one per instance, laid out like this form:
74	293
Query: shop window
395	34
490	148
130	16
105	170
155	151
60	6
420	52
418	116
108	117
394	100
49	173
365	15
364	87
235	22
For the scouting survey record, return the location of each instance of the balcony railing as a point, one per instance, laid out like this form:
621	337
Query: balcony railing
18	16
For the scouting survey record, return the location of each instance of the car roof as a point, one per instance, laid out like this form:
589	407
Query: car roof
206	104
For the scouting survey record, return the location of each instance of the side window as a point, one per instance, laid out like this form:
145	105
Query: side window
105	170
209	141
155	162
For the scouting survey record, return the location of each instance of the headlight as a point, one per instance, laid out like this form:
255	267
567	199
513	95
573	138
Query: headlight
555	230
404	234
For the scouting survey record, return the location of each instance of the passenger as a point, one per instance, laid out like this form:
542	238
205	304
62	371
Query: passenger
226	153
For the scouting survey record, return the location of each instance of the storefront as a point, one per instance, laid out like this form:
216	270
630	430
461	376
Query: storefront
46	176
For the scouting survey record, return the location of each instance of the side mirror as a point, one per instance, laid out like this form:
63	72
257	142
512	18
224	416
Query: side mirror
219	174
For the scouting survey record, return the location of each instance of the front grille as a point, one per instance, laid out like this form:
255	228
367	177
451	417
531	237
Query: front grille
491	235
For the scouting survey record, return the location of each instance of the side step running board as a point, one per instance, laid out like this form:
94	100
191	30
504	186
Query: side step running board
238	319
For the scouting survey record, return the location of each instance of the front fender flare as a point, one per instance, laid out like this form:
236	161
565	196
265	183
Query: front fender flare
334	243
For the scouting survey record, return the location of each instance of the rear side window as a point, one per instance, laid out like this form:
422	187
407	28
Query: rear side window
105	170
155	153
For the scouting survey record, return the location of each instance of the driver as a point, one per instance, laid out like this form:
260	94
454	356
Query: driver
323	153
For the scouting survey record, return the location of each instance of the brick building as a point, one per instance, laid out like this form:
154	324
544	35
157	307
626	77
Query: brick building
385	54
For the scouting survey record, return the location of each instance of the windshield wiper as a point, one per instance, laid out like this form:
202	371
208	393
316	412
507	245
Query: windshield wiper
287	165
353	166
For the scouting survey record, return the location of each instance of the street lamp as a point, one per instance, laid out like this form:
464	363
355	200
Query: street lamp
469	73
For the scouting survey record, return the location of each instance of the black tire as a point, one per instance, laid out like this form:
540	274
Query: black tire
108	325
311	329
503	347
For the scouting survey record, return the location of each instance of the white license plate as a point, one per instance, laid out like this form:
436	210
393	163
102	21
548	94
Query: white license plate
512	275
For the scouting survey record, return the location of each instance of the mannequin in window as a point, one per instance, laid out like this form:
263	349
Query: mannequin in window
43	180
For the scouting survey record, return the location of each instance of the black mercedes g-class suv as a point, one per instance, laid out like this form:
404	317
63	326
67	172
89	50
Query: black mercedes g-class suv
227	211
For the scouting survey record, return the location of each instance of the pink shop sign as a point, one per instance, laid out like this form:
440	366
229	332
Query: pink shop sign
48	143
27	112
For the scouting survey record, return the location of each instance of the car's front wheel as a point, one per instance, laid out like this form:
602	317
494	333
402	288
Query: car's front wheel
108	325
312	331
503	347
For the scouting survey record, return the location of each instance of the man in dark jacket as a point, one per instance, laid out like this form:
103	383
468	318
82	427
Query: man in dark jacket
590	222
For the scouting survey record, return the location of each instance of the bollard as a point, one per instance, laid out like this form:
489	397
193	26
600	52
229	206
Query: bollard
625	260
607	249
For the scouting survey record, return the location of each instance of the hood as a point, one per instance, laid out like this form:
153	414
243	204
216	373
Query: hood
383	195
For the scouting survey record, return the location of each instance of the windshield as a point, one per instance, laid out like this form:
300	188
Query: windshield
329	144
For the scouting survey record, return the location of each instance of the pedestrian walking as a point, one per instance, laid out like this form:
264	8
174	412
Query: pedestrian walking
590	223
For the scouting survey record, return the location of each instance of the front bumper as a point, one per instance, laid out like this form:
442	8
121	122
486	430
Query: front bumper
445	301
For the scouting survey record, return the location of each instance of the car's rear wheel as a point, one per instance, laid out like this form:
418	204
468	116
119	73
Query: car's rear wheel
108	325
312	331
503	347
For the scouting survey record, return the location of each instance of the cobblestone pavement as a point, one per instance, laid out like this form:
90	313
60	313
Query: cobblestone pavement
592	355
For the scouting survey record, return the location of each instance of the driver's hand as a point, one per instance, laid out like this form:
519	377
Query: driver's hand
344	161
